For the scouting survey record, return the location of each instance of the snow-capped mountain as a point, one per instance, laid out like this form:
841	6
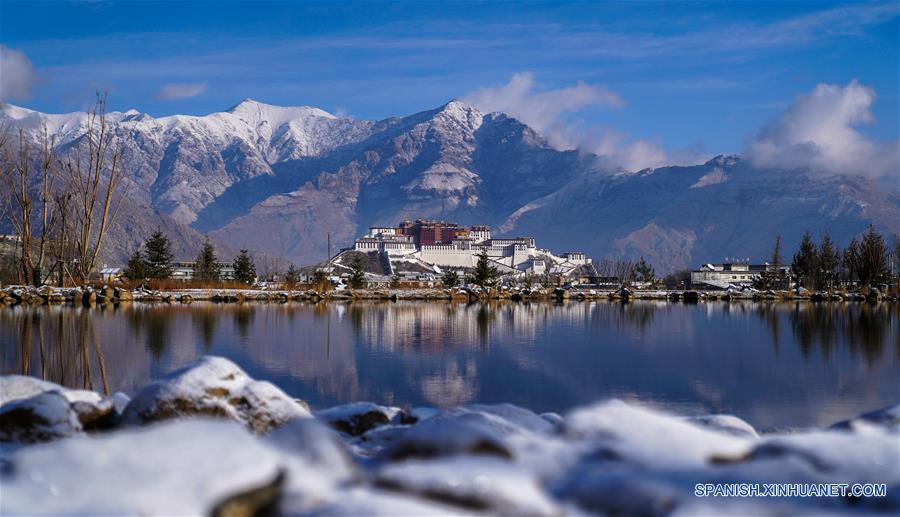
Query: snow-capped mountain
280	179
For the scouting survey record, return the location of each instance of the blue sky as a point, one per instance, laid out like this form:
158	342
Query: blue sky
688	77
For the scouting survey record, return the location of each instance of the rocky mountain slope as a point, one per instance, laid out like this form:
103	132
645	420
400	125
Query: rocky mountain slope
279	180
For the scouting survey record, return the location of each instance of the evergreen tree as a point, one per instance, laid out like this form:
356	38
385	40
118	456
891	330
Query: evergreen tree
806	262
245	269
851	260
357	273
450	279
291	277
395	280
873	255
137	267
206	267
485	273
158	256
829	263
774	276
644	271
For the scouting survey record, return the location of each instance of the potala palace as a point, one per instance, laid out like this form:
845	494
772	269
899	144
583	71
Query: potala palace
424	247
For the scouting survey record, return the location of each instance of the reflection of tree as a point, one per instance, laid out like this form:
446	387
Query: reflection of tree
205	320
635	315
486	314
58	344
862	327
158	329
243	318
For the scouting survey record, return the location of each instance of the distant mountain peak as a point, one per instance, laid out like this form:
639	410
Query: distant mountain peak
254	108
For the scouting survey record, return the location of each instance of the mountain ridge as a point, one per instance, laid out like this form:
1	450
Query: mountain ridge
279	180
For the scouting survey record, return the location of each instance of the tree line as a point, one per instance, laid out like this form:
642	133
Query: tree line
865	262
155	261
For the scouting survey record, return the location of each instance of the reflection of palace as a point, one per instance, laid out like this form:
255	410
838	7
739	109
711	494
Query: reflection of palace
433	352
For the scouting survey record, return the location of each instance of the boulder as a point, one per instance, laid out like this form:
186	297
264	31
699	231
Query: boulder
358	417
88	297
482	484
45	416
176	468
477	430
123	295
214	386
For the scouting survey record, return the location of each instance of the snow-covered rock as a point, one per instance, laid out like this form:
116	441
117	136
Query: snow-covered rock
214	386
647	437
317	462
45	416
175	468
36	410
358	501
727	423
358	417
485	484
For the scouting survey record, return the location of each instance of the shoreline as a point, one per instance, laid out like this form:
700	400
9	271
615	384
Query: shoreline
25	295
208	437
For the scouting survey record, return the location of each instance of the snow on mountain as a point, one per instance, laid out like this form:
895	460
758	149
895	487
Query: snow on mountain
280	179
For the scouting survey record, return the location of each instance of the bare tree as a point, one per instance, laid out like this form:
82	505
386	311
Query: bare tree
95	177
27	195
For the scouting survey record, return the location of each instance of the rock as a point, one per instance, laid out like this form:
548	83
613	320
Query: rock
726	423
123	295
46	416
33	413
214	386
479	430
649	438
315	459
874	295
888	417
88	297
176	468
358	417
186	298
481	484
357	501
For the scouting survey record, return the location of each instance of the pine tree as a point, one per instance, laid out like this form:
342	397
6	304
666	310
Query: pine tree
829	263
245	269
158	256
774	274
206	267
873	254
806	262
357	273
851	260
395	280
485	273
450	279
644	271
137	267
291	277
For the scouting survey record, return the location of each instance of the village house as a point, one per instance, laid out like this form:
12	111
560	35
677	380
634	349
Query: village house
732	272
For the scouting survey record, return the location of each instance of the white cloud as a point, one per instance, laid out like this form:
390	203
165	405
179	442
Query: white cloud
178	91
545	112
818	132
17	74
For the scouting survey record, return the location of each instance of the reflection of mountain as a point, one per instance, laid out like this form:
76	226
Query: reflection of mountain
771	363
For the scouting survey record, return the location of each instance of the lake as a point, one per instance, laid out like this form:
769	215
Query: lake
773	364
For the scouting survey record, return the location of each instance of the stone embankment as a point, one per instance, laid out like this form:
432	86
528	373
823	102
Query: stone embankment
115	295
209	439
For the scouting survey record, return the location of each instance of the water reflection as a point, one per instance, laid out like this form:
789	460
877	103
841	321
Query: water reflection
775	364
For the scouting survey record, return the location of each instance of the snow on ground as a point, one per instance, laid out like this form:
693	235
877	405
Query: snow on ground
366	459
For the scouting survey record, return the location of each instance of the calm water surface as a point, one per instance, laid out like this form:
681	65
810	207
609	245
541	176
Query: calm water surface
771	364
